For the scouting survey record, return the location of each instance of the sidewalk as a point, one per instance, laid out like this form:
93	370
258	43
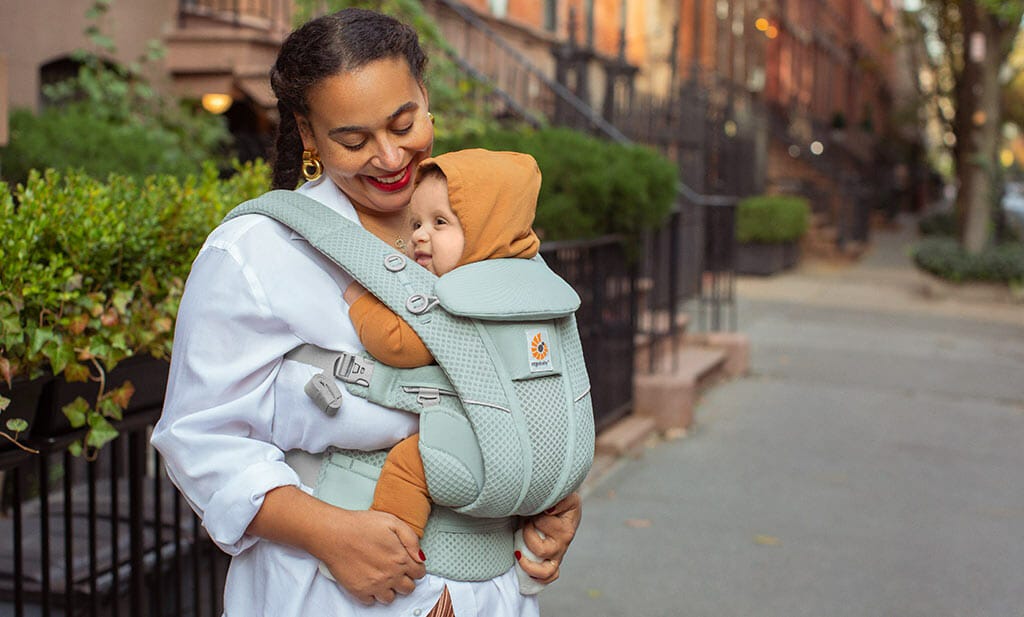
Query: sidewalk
869	465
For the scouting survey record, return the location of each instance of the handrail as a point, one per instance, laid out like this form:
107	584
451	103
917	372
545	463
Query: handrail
505	96
561	91
581	106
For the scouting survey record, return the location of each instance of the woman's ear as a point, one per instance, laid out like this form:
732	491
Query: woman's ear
426	96
305	131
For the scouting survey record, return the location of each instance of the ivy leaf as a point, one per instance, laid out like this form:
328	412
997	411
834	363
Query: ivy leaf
17	425
121	299
76	412
4	402
76	372
5	371
110	409
123	395
75	448
101	432
40	337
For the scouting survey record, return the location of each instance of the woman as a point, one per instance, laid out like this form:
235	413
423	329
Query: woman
354	120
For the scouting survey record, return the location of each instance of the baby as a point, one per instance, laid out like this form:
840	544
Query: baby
468	206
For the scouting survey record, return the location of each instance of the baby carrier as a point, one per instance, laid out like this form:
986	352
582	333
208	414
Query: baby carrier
506	421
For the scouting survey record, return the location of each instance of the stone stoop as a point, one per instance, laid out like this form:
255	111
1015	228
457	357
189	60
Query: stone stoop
664	401
669	398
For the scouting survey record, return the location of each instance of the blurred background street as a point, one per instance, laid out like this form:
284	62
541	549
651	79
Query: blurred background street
868	466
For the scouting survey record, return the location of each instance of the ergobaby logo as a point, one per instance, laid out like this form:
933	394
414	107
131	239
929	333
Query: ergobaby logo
540	350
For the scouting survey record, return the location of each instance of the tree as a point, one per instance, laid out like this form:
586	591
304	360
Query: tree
977	37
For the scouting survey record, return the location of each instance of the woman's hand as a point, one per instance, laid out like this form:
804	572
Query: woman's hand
373	555
380	560
558	526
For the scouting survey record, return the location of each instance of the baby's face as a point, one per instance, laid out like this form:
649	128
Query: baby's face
437	239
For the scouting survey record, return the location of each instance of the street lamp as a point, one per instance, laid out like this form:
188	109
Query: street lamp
216	103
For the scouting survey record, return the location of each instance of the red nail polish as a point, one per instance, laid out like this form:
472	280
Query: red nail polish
518	555
422	556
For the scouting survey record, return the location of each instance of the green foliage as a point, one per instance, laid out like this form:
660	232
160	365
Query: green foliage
107	119
945	258
938	224
772	219
91	272
590	187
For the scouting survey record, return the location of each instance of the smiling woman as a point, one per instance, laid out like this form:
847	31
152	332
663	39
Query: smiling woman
238	433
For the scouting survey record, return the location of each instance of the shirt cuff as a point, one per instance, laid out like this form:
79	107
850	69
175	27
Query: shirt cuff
231	509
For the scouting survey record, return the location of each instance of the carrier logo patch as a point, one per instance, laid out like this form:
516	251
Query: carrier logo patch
540	350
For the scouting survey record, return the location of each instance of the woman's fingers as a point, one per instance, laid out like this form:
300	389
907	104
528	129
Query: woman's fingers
411	543
545	571
378	557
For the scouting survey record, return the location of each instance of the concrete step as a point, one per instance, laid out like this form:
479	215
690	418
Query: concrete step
670	397
625	436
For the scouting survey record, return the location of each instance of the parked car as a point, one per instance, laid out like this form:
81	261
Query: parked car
1013	206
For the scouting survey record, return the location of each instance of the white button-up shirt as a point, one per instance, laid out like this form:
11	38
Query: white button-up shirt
234	406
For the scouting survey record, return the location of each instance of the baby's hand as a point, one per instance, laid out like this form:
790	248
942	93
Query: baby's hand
353	291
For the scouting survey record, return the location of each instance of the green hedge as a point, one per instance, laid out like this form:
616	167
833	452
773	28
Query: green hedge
92	271
590	187
945	258
772	219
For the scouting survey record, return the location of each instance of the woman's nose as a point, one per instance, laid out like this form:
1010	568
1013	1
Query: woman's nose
389	154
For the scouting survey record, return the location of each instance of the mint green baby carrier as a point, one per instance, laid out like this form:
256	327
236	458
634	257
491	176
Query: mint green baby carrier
506	420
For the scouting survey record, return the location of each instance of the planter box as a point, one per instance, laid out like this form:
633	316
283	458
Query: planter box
764	259
27	396
147	374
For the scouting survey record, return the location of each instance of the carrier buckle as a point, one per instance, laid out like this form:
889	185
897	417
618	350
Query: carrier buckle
427	396
351	368
417	304
325	393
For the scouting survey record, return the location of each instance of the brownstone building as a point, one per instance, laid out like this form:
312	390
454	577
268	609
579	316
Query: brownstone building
763	95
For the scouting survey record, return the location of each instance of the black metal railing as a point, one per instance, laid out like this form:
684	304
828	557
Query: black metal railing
105	537
604	276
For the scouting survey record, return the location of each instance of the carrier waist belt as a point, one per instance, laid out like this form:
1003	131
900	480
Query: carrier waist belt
457	546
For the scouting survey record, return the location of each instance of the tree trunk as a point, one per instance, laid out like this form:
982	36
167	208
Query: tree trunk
980	123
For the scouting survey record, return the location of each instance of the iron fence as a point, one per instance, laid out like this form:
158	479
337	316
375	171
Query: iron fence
604	275
103	537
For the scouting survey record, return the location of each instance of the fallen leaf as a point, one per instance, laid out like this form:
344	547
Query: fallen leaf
593	593
638	523
766	540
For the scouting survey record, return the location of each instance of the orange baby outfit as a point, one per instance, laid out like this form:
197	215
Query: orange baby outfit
494	195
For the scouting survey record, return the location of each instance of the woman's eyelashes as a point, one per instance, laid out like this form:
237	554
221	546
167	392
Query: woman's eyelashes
359	146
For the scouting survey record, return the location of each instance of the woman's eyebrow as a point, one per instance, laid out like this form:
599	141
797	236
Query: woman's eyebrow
410	106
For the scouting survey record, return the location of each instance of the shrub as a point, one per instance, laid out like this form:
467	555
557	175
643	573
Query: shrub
590	187
91	272
945	258
107	119
938	224
772	219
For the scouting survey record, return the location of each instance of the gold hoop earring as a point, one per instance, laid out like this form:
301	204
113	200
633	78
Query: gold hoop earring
312	168
430	117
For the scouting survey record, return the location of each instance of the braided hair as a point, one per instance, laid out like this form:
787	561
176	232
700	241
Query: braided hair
322	48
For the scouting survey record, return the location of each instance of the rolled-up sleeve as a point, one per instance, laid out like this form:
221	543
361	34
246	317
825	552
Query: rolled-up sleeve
215	433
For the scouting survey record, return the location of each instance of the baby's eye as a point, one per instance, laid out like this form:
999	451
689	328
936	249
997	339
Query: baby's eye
416	225
440	221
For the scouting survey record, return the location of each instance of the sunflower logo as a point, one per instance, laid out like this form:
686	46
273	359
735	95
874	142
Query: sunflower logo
539	347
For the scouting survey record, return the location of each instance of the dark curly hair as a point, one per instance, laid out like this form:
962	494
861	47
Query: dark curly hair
324	47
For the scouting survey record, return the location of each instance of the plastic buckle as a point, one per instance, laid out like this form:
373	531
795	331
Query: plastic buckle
325	393
351	368
417	304
394	262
